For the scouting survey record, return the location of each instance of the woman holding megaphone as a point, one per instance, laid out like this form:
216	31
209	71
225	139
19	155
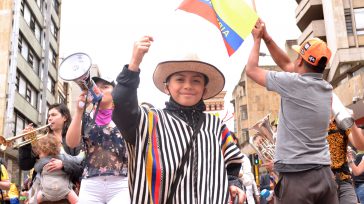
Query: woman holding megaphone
104	179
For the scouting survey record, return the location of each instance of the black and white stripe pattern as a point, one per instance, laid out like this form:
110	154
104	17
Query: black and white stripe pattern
174	135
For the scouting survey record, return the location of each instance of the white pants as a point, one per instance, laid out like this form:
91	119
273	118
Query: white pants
104	190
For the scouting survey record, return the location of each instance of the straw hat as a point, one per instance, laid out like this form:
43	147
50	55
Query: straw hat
192	63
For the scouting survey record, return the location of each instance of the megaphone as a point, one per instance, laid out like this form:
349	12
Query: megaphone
76	67
342	117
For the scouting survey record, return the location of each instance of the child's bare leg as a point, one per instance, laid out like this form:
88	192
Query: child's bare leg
39	196
72	197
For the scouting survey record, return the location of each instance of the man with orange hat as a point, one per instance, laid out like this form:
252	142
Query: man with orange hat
302	156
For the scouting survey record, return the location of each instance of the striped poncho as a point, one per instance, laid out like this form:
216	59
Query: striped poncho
157	140
160	144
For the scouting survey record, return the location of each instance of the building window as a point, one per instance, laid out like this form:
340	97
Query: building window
24	49
245	134
51	85
359	20
28	94
37	32
30	58
52	56
54	29
20	42
27	14
36	62
33	61
348	21
26	90
34	97
40	4
17	82
61	98
20	122
243	92
22	85
22	8
32	24
55	5
243	112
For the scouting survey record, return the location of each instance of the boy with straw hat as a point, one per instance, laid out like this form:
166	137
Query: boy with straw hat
177	154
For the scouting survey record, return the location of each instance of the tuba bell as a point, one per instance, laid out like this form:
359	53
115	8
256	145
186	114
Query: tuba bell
263	142
76	67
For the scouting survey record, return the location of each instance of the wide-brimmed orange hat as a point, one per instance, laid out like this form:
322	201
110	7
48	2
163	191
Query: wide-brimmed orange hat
313	50
190	63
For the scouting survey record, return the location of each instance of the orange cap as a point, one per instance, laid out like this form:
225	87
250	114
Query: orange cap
313	50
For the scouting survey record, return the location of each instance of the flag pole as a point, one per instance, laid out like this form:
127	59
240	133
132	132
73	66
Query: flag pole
254	7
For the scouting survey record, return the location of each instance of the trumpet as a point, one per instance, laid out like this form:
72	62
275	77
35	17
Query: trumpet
30	137
263	142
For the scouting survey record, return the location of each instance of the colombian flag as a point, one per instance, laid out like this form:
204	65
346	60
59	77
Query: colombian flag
234	18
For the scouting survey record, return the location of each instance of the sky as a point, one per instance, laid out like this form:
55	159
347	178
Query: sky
107	29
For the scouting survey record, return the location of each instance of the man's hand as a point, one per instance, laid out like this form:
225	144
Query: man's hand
140	48
258	30
266	37
236	191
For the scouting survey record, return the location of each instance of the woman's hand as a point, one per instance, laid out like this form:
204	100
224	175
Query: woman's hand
81	101
28	128
236	191
54	164
350	156
140	48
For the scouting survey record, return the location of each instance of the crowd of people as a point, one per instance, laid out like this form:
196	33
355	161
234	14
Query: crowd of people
123	152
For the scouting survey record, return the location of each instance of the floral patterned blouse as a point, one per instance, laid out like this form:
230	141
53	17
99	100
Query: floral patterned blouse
338	142
105	150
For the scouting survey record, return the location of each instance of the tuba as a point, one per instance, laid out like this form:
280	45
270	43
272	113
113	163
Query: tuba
76	67
263	142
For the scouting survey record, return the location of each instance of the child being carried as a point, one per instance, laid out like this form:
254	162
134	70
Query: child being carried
54	185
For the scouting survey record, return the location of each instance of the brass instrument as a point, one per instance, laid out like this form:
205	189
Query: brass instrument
30	137
264	140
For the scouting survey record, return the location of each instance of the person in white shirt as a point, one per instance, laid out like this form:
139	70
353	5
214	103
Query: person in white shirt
247	177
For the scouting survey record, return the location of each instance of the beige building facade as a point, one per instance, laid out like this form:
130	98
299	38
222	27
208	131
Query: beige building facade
216	103
29	47
251	103
341	24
